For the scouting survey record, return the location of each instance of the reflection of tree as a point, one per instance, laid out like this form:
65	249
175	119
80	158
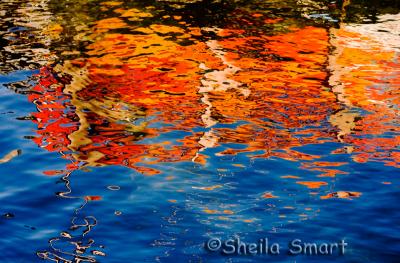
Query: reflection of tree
130	79
283	85
258	68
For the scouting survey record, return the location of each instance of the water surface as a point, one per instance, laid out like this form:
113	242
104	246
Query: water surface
133	131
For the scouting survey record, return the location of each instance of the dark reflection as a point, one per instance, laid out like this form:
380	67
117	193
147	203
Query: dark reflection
365	11
22	45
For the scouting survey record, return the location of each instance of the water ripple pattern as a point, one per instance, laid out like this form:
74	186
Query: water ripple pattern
134	131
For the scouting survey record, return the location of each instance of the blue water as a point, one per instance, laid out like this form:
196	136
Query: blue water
108	210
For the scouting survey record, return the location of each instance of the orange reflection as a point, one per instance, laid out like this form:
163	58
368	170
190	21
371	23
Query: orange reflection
366	76
128	81
113	105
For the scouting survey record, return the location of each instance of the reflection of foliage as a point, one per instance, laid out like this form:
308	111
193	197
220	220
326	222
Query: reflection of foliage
135	62
149	71
133	71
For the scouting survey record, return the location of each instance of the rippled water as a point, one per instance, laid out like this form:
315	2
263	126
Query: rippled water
134	131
